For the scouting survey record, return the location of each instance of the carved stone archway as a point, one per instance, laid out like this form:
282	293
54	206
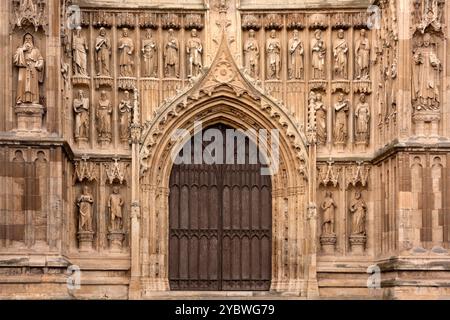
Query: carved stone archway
224	94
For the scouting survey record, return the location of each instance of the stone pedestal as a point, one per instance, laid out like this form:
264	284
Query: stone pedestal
81	80
104	142
328	243
358	243
427	123
116	240
103	81
85	240
361	146
29	117
340	146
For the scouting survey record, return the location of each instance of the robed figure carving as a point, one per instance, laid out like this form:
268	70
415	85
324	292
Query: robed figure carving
340	52
320	111
125	108
103	52
362	54
81	109
103	115
426	76
80	48
319	53
358	209
172	56
362	120
85	203
126	59
328	208
251	55
273	51
115	204
194	50
150	53
341	124
30	62
296	55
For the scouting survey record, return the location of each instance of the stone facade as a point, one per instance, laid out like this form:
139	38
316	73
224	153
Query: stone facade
93	90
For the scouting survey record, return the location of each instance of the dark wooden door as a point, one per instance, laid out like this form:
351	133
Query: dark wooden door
220	226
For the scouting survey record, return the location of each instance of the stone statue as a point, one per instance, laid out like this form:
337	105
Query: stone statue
362	54
251	55
115	204
103	53
125	108
84	203
81	109
341	109
172	56
103	116
321	119
328	206
340	52
358	209
150	53
30	62
296	56
426	76
273	51
194	50
319	53
80	48
126	59
362	115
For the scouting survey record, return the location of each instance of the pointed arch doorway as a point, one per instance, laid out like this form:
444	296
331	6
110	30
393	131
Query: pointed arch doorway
220	221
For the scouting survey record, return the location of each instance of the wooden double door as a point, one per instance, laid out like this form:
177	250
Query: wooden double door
220	218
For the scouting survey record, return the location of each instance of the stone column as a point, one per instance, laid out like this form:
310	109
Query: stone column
134	291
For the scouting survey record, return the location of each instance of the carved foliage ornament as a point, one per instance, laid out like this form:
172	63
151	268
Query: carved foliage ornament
29	13
116	171
295	21
273	21
102	19
171	21
85	170
193	21
328	174
357	174
125	19
250	21
148	20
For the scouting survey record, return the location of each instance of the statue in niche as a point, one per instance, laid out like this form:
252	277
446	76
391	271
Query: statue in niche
103	115
194	50
321	117
427	70
319	53
126	60
103	52
340	52
296	54
30	62
362	54
341	109
273	51
358	209
85	203
328	207
115	204
172	56
150	53
251	55
80	48
81	109
362	115
125	108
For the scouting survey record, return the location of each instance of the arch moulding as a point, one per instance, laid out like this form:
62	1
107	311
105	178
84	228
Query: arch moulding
224	93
